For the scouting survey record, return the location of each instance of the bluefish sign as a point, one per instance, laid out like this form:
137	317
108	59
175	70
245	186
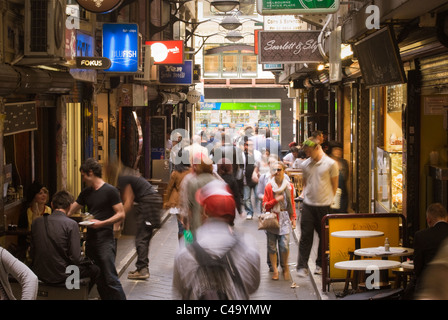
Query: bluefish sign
120	45
176	73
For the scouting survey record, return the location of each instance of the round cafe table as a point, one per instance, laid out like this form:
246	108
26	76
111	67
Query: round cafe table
357	234
363	265
381	252
408	265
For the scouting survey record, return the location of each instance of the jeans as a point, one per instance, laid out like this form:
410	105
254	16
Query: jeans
282	240
310	221
247	201
143	235
100	247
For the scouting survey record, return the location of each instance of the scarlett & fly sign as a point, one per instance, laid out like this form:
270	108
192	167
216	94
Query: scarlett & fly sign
289	47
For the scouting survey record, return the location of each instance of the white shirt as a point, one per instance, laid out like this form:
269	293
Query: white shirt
319	190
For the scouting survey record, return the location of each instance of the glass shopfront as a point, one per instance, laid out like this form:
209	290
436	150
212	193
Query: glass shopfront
239	114
389	152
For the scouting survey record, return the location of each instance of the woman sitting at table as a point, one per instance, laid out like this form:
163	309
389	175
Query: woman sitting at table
279	198
37	197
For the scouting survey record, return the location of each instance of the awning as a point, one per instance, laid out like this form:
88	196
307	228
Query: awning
26	80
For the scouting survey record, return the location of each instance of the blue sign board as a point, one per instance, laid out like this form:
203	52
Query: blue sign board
176	73
120	45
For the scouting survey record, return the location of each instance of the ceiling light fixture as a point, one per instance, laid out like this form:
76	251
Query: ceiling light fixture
225	5
230	23
234	36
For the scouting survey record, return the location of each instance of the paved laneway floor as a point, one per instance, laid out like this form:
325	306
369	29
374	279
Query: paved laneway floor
163	249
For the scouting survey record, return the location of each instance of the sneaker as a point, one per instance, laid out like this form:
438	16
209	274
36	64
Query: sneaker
302	273
318	270
249	217
141	274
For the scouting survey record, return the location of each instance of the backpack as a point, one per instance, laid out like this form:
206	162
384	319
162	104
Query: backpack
216	278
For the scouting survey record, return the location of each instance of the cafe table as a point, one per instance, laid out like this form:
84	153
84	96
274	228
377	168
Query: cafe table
381	252
357	235
363	265
408	265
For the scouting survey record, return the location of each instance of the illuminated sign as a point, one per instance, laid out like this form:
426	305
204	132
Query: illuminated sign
176	74
167	52
92	63
99	6
120	45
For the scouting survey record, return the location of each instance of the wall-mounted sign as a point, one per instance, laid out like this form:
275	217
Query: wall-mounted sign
167	52
99	6
121	46
176	74
92	63
273	67
266	7
20	117
197	73
289	47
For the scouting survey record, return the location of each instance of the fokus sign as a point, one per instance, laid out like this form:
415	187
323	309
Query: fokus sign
289	47
120	45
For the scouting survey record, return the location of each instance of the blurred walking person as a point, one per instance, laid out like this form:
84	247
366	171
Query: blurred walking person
320	181
226	173
220	264
173	193
136	192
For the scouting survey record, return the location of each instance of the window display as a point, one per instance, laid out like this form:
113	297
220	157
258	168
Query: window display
237	115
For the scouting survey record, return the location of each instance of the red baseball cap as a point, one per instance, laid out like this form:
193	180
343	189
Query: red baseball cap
217	200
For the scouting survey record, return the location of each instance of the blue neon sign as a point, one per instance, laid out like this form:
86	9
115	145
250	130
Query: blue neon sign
120	45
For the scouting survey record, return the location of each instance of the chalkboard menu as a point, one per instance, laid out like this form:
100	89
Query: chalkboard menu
158	137
379	59
20	117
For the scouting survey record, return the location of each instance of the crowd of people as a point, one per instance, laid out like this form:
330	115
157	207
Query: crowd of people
212	181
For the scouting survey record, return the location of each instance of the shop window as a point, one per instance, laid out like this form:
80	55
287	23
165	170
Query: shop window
249	66
211	66
230	65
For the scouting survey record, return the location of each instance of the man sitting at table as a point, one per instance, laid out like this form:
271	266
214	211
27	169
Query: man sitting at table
427	241
56	244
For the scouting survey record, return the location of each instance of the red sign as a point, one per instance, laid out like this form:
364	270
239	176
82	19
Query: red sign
167	52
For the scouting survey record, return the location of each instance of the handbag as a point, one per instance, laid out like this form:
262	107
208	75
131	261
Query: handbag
268	221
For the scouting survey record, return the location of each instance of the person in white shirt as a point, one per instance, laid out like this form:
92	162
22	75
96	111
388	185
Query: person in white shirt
320	179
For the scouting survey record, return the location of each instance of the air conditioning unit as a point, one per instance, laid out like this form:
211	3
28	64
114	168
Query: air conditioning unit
45	28
147	74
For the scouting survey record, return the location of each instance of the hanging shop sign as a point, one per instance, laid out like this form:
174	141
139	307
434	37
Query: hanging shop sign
167	52
92	63
176	74
121	46
289	47
99	6
266	7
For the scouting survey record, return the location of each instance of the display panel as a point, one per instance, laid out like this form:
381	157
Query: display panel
379	59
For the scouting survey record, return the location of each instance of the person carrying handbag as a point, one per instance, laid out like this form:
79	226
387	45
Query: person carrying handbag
279	198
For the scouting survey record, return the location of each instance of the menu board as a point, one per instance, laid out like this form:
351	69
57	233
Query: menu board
20	117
